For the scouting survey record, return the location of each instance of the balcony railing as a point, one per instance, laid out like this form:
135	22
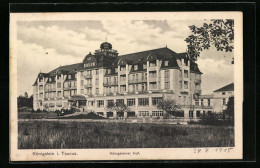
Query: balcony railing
197	91
152	79
88	85
197	80
73	87
88	76
137	81
110	83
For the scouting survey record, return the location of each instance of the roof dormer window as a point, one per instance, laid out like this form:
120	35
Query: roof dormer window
166	63
135	67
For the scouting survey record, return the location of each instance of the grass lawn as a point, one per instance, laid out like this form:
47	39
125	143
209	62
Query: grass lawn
58	134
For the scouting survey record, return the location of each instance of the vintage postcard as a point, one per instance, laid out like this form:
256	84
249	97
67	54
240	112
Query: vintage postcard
126	86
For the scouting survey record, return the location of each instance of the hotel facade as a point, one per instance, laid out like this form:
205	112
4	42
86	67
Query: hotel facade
139	80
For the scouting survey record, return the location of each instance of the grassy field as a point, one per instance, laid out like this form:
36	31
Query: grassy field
57	135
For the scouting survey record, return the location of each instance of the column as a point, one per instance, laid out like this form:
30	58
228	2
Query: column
186	113
148	79
126	76
125	114
114	114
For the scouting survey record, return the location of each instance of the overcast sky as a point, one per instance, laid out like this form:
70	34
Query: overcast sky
68	42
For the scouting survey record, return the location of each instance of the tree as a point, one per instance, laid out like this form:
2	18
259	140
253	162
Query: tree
219	33
120	108
171	108
25	101
229	112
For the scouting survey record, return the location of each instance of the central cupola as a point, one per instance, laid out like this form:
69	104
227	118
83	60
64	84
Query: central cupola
106	49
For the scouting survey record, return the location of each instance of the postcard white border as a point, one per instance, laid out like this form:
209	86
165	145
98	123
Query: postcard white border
145	153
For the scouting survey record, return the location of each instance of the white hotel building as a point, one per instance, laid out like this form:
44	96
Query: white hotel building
138	80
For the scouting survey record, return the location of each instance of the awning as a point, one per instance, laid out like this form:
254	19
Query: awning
77	98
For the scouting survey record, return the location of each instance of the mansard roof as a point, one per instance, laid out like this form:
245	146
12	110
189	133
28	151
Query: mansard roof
134	58
67	68
229	87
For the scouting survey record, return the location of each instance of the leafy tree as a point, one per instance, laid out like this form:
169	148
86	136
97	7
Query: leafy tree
219	33
229	112
25	101
171	107
118	107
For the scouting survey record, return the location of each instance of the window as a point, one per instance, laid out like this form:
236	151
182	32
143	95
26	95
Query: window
122	68
97	81
208	102
186	85
108	71
145	66
152	74
100	103
166	63
89	91
110	103
123	78
156	100
224	101
115	80
40	87
50	79
69	76
90	103
167	85
144	87
41	95
143	113
130	102
166	74
190	114
59	85
196	102
186	75
122	88
119	101
59	93
135	67
97	90
198	113
97	72
152	64
153	86
157	113
143	101
81	82
180	74
223	93
202	102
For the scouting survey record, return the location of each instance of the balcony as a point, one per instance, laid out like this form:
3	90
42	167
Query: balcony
88	76
197	81
73	87
137	81
66	88
89	85
197	91
52	89
111	83
122	82
152	79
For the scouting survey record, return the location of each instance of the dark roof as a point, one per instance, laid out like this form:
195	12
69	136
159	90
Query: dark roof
160	53
229	87
133	58
67	68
